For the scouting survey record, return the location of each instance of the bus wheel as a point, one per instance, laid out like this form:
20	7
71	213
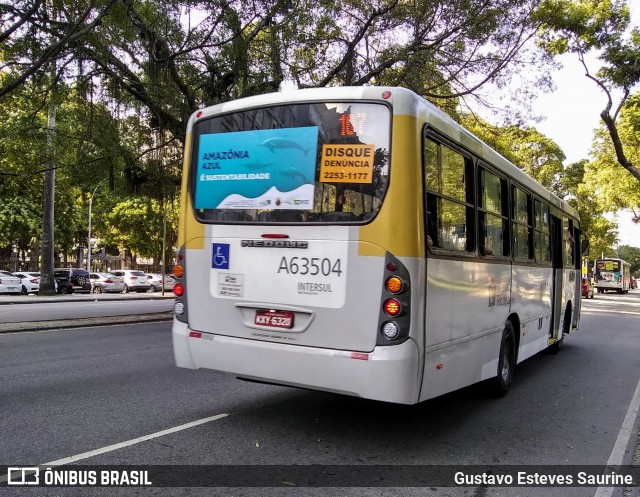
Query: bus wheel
506	362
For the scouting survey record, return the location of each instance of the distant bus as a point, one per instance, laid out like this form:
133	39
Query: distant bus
612	274
359	241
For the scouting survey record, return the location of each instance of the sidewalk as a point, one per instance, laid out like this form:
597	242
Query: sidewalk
81	322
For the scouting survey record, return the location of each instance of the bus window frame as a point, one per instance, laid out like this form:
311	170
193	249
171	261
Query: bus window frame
531	259
505	206
470	204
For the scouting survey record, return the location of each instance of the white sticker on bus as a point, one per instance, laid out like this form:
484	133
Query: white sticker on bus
313	273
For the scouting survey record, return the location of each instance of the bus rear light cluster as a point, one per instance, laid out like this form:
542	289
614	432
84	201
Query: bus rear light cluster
180	305
394	317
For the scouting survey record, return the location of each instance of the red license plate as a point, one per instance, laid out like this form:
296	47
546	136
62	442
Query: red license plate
274	319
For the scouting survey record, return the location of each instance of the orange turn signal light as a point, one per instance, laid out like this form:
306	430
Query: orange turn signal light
394	284
178	270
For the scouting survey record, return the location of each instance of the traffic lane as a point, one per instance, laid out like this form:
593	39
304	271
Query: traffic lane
275	425
82	309
562	409
68	391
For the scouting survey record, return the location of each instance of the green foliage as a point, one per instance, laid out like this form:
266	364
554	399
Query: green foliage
579	26
20	220
617	188
632	256
537	155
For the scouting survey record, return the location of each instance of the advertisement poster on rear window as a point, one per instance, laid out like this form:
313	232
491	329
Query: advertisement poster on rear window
259	169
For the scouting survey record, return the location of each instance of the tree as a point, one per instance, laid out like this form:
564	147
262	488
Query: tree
33	38
168	58
580	26
534	153
632	256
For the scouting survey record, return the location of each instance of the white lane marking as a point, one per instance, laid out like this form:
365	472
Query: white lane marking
121	445
620	447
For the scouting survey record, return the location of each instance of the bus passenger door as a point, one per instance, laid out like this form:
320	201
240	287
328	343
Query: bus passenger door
557	292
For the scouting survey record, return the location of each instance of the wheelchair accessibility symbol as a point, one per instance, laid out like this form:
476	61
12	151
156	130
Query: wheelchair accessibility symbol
220	256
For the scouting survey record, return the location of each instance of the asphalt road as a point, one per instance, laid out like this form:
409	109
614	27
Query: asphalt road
70	392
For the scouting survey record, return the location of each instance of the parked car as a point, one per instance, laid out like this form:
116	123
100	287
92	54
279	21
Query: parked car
587	288
30	281
9	283
134	280
70	280
155	282
106	282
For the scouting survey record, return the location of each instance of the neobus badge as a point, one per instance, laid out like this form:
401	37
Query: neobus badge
275	244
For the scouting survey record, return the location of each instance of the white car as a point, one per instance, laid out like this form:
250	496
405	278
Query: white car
106	282
30	281
134	280
155	282
9	283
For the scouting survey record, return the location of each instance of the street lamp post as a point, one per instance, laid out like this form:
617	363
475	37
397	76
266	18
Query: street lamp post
89	237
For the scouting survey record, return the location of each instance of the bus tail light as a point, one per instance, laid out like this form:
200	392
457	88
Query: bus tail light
395	318
392	307
178	290
178	270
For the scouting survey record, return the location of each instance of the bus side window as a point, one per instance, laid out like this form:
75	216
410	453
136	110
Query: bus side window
522	224
542	241
493	212
449	202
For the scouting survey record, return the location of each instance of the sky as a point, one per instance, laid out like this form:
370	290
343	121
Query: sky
573	113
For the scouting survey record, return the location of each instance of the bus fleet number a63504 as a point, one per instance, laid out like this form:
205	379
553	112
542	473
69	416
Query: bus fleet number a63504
313	266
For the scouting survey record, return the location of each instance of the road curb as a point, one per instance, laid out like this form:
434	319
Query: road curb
84	322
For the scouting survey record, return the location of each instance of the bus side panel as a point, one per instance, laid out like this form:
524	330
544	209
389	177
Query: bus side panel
460	350
532	304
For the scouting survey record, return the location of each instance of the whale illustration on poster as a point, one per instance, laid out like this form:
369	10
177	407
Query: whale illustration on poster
258	168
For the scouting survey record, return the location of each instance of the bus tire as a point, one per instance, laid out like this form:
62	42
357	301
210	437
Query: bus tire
506	362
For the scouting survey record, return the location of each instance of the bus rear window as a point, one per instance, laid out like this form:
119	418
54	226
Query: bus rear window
297	163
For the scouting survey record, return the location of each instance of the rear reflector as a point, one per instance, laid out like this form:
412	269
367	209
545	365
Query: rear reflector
195	334
360	356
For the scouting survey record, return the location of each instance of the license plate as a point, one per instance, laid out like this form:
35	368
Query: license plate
274	319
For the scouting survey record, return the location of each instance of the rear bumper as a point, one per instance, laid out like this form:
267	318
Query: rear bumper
389	374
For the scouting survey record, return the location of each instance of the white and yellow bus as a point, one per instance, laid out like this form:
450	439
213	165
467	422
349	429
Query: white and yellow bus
359	241
612	274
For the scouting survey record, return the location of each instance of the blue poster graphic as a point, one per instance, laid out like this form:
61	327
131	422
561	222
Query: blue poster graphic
267	168
220	256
